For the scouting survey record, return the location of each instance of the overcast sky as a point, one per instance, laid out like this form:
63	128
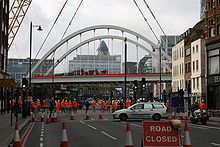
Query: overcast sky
175	16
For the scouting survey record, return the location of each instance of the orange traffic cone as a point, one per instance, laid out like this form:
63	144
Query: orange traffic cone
17	141
48	117
128	142
33	117
187	142
42	117
87	116
64	142
72	116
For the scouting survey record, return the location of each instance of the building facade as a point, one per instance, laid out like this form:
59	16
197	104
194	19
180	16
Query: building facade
213	52
189	63
4	16
19	68
103	63
131	67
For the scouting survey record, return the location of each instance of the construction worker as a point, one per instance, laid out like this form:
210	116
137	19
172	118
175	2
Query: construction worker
108	106
93	105
128	103
57	105
202	105
63	106
75	105
113	106
33	106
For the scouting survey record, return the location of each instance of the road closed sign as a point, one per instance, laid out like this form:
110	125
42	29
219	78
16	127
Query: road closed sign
160	134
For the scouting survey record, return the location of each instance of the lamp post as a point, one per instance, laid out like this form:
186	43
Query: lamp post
125	80
39	29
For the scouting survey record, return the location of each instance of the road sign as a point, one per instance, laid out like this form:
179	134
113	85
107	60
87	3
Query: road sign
160	134
186	94
7	83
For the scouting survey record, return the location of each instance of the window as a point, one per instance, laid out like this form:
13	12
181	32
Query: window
194	83
180	70
198	83
193	50
147	106
214	65
193	66
186	67
188	51
138	106
197	65
197	48
158	106
218	29
211	32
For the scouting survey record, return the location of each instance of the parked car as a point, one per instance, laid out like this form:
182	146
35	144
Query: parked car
143	110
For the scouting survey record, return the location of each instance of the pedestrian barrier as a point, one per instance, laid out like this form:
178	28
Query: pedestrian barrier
48	117
64	141
128	141
33	117
17	141
42	117
87	116
187	141
53	117
72	116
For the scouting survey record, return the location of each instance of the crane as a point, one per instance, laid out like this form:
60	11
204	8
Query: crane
17	13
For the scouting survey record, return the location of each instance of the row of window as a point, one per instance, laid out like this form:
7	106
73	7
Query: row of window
90	65
179	53
181	84
212	3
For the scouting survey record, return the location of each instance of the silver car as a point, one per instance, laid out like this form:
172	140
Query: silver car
142	110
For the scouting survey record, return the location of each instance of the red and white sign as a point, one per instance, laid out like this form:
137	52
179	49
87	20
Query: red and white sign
160	134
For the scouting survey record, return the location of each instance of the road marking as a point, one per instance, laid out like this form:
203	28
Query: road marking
182	136
27	135
41	139
109	135
41	144
209	127
92	127
136	125
42	135
82	122
199	127
215	144
42	132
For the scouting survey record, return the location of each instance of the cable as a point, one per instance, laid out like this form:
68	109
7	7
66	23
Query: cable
156	20
51	29
145	19
72	19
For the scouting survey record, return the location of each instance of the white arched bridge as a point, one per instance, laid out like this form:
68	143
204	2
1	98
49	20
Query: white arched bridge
134	38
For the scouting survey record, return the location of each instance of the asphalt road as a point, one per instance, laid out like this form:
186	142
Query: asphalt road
105	133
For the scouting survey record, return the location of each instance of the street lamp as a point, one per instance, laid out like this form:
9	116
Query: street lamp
39	29
160	48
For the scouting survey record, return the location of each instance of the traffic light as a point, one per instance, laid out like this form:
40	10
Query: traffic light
181	92
143	84
24	83
135	87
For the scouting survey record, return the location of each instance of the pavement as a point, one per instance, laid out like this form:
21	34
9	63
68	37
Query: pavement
6	130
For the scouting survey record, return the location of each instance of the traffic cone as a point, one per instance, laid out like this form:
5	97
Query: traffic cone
42	117
64	142
48	117
33	117
187	142
100	116
87	116
128	142
17	141
72	116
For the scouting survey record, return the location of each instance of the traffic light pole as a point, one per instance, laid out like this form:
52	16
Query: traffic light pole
125	80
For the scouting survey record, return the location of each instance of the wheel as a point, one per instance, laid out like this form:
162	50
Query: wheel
123	117
156	117
204	122
193	121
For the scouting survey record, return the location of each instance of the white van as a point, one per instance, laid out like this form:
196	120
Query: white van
142	110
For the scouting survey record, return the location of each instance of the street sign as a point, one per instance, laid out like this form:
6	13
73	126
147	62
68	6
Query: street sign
160	134
7	83
186	94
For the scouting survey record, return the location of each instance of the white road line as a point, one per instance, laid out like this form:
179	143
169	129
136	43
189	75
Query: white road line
209	127
92	127
82	122
136	125
41	139
199	127
42	132
215	144
109	135
41	144
42	135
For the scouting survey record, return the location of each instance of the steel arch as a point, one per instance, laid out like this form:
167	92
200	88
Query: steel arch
55	47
